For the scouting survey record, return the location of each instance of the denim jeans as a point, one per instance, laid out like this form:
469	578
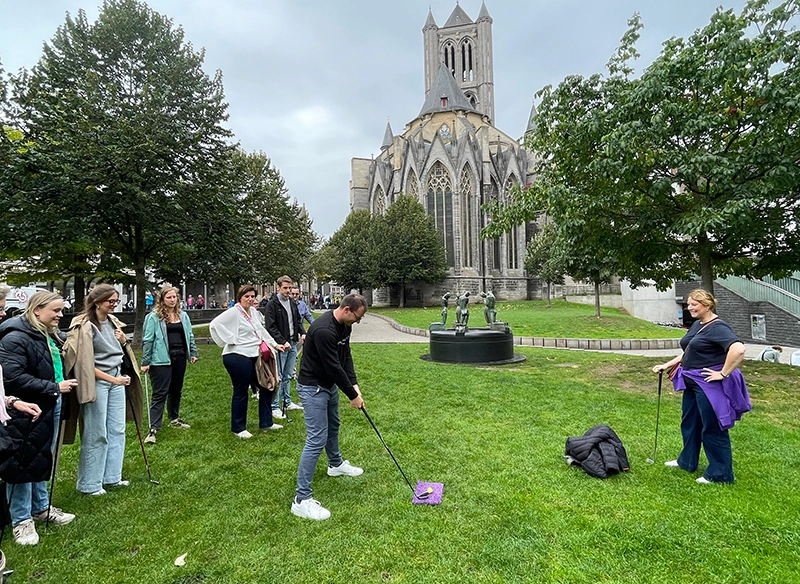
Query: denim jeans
26	499
102	438
321	413
286	363
699	425
167	388
242	371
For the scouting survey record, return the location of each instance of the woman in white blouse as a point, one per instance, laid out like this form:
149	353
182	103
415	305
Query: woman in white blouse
240	331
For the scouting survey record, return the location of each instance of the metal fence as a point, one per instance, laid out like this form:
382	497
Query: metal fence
761	290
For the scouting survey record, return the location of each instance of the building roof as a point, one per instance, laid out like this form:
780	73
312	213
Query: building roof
445	89
483	13
531	119
457	18
430	21
388	137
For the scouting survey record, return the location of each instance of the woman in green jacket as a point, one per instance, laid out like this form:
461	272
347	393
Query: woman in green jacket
168	343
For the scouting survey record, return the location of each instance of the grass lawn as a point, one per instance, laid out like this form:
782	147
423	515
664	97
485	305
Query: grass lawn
534	319
512	510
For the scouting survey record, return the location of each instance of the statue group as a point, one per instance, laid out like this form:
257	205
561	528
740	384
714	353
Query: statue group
462	309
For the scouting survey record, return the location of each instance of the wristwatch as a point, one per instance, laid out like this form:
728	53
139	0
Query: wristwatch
11	401
724	376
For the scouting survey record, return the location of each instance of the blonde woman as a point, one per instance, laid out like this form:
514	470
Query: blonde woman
95	349
30	354
714	392
168	343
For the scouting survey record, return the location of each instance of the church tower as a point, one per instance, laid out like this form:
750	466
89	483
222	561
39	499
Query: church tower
465	47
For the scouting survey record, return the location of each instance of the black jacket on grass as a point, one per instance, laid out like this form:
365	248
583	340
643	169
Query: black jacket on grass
599	452
29	375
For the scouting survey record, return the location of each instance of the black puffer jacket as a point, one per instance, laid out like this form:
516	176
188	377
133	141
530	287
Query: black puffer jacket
27	374
599	452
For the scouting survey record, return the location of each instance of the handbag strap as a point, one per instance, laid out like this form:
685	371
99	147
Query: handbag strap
250	320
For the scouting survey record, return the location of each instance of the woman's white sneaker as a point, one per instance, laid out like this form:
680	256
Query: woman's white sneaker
25	533
344	469
310	509
243	434
672	464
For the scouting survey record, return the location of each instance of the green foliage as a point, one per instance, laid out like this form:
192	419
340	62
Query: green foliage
545	257
344	258
512	511
406	246
690	168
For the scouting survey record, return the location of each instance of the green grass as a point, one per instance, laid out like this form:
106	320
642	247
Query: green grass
512	510
534	319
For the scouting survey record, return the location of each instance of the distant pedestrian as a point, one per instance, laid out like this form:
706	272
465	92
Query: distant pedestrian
772	353
302	307
201	302
190	302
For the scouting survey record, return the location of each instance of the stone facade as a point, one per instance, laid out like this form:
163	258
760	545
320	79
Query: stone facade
454	161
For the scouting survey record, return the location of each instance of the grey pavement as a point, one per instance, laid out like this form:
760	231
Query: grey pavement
375	329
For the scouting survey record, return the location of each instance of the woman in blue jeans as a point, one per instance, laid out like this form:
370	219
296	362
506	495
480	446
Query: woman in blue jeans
30	353
95	347
714	392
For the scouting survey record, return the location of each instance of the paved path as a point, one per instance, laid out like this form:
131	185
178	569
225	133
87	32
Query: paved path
374	329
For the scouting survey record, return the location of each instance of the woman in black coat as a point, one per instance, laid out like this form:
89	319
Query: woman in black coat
32	371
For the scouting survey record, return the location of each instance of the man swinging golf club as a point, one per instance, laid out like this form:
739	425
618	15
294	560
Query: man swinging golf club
327	365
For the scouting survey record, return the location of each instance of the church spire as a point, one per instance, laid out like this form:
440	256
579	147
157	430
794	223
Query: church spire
532	119
483	13
430	21
457	18
388	137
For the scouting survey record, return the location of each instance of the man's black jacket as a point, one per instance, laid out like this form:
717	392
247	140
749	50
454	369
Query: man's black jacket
277	321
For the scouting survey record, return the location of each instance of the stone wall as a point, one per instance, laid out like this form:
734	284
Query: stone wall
782	327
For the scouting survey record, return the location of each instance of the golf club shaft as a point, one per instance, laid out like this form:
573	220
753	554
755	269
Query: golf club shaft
139	434
374	427
56	454
658	413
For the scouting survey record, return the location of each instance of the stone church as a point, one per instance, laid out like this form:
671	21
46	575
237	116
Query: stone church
453	159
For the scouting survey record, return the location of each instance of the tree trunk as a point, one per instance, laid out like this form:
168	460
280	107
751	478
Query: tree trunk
402	294
79	288
597	299
141	292
706	266
549	294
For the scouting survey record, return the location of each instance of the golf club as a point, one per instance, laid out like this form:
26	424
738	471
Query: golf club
658	416
57	453
139	434
425	494
147	398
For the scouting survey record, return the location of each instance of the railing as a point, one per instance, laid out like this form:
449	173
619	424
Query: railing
790	284
758	290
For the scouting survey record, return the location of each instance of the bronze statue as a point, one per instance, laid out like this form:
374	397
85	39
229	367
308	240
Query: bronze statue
489	311
445	300
462	311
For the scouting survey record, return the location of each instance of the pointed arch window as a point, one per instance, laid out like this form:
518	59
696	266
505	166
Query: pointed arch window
379	202
496	242
412	188
439	189
467	217
450	57
512	249
467	64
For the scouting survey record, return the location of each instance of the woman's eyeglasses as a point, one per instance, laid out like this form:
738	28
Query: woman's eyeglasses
113	302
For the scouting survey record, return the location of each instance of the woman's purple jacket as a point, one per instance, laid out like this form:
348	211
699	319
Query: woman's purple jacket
728	398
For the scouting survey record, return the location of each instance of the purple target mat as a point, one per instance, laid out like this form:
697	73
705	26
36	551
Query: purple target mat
422	497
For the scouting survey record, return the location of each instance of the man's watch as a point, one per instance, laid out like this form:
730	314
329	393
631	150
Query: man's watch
12	400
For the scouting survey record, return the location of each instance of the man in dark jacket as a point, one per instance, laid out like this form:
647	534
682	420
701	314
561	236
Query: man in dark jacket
282	320
327	365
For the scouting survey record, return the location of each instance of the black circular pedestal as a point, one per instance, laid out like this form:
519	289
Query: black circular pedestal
474	346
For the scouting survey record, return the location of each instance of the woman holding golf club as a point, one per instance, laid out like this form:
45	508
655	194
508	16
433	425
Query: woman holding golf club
168	343
714	392
30	353
240	331
95	349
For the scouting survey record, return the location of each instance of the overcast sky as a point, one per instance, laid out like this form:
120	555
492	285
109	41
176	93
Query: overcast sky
312	82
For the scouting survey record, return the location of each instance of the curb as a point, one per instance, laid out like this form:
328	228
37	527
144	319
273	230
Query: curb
557	343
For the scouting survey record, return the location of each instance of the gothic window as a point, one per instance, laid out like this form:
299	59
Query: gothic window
411	184
496	252
440	207
467	65
450	57
513	236
444	132
472	99
467	216
379	202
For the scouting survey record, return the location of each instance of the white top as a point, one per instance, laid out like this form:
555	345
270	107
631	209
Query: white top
236	333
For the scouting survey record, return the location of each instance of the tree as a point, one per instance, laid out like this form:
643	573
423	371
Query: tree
129	131
406	247
544	258
348	251
690	169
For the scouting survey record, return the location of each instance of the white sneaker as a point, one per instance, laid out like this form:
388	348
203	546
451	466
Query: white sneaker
273	427
97	493
703	481
25	532
294	406
344	469
310	509
243	434
57	516
672	464
120	483
278	414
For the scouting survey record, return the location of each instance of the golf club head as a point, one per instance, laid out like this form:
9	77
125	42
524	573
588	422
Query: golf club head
154	481
5	576
649	460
